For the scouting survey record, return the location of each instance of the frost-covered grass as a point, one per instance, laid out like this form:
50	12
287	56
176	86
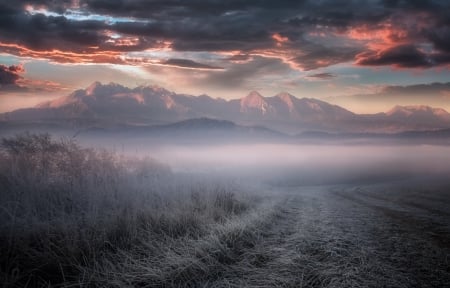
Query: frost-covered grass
76	216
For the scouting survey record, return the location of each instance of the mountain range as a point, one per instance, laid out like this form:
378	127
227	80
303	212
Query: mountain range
103	105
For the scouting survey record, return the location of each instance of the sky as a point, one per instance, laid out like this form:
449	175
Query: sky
366	56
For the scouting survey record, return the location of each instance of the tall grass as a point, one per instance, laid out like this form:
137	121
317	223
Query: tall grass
76	216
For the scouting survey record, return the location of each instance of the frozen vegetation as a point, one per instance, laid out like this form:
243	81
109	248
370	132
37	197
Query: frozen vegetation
77	217
90	217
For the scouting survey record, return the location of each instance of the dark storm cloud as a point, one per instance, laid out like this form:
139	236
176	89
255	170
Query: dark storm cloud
192	8
406	56
53	5
9	77
186	63
419	89
322	76
237	25
40	32
440	38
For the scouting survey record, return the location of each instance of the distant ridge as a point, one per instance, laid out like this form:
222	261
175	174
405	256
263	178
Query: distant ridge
201	123
114	104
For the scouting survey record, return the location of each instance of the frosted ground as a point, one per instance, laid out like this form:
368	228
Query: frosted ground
223	216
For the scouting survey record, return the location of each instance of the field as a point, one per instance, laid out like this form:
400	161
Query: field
77	217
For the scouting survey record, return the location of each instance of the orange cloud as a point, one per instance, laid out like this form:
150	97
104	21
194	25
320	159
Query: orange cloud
279	39
86	57
94	55
380	37
41	85
399	42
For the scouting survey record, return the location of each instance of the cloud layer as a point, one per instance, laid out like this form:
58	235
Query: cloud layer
10	76
11	80
305	34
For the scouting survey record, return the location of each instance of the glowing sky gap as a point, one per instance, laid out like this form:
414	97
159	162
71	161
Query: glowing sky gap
79	15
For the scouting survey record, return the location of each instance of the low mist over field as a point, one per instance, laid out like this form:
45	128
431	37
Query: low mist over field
316	163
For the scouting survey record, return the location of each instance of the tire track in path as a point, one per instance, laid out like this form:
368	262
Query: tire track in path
322	237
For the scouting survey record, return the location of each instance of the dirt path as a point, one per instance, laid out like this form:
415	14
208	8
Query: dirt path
346	237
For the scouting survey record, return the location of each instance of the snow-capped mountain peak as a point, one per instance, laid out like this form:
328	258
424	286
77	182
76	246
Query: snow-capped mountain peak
408	111
254	102
287	99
